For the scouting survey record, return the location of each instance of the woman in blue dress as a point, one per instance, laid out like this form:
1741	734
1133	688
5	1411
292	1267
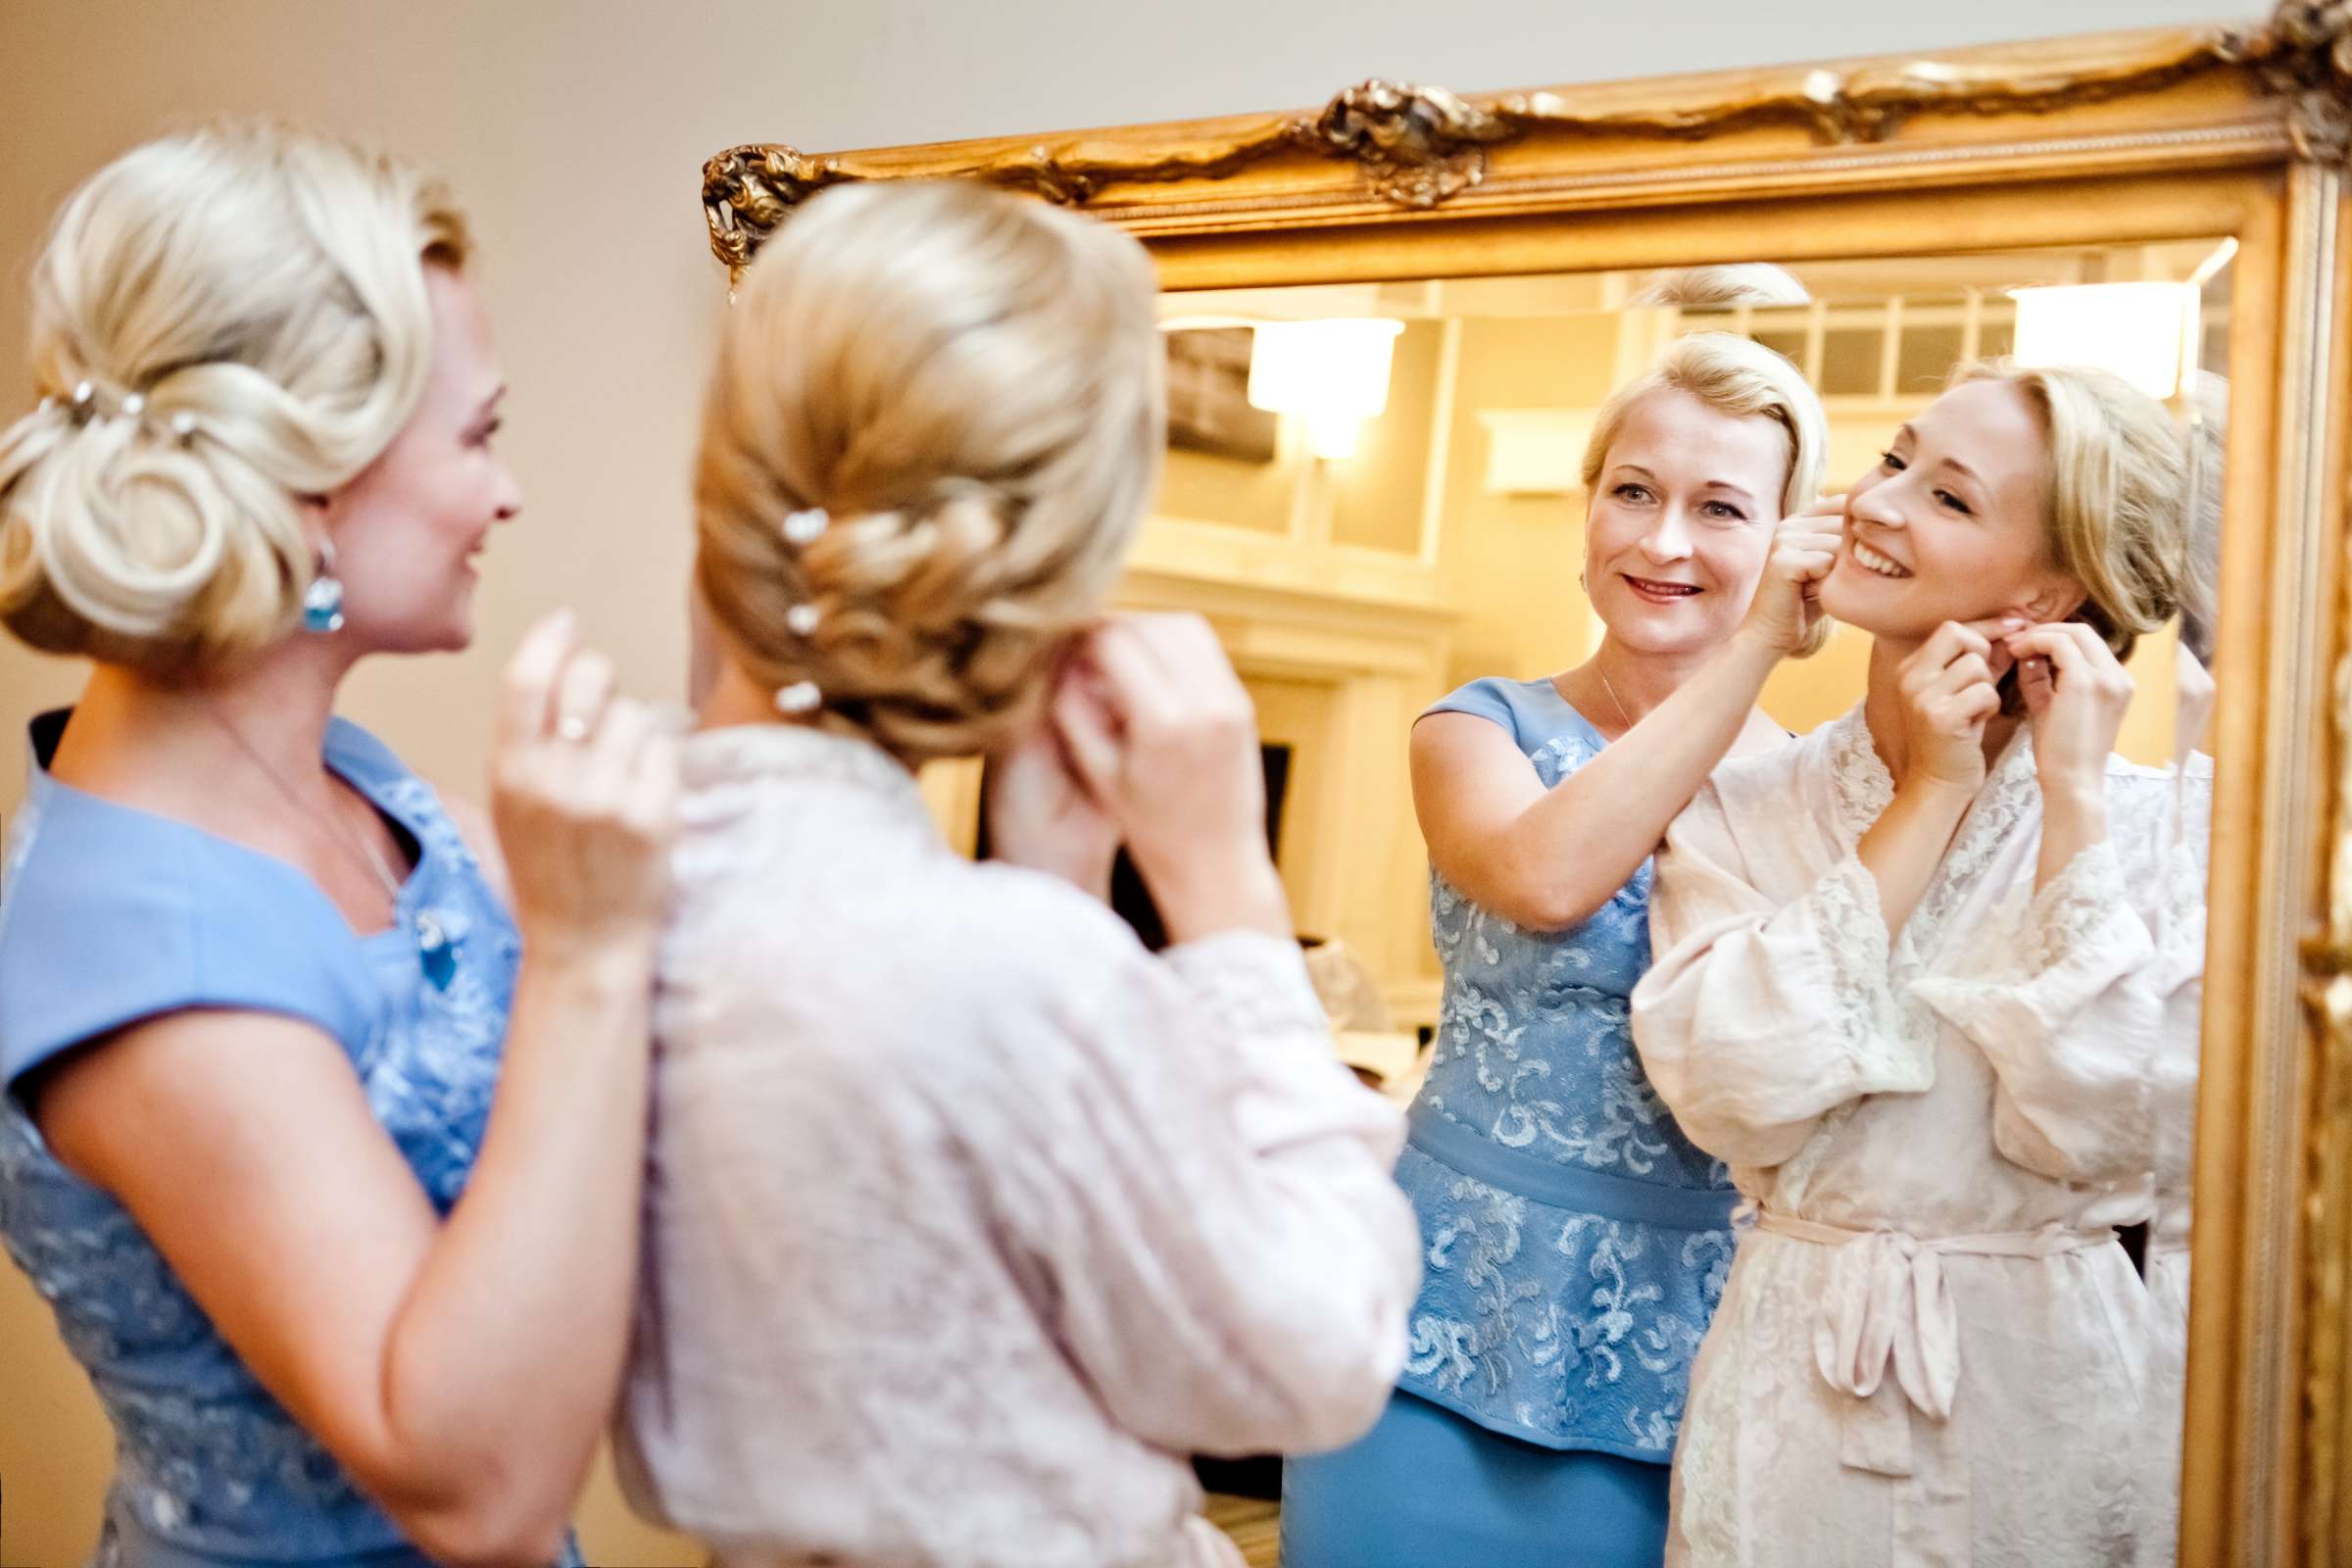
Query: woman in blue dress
348	1291
1575	1242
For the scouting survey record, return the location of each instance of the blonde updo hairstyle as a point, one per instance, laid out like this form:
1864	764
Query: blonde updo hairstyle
2118	510
969	385
1740	379
243	313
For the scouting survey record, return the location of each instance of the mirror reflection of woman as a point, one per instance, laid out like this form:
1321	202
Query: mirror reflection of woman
1914	973
1574	1242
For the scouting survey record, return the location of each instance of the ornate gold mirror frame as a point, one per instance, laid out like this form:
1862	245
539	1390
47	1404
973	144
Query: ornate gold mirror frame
2228	130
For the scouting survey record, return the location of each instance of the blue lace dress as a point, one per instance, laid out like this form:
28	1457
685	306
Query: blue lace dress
109	915
1575	1245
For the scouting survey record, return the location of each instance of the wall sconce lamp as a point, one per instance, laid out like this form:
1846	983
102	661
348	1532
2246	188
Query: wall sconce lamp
1332	373
2141	332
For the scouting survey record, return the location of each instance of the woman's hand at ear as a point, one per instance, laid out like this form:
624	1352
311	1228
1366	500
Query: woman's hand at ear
1041	814
1950	693
1788	603
2077	693
1169	748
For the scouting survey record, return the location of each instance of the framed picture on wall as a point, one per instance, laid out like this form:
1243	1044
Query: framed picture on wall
1209	396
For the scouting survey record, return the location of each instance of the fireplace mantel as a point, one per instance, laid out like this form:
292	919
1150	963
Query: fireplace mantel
1356	669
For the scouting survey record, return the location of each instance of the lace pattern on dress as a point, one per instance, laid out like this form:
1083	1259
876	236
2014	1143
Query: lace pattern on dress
206	1457
1561	1328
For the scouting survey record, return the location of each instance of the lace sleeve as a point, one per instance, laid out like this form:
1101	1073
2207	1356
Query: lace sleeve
2179	975
1205	1193
2067	1004
1291	1091
1759	1017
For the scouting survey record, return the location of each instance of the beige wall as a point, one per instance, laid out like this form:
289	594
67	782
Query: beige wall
574	131
1511	562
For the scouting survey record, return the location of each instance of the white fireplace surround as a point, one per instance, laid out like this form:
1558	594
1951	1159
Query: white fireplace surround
1352	857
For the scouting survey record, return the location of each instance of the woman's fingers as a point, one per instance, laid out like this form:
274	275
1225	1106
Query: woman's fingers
652	779
526	707
1956	639
1805	555
1193	659
612	747
2035	683
1131	676
1978	703
582	694
2075	657
1969	670
1952	640
1087	728
2069	645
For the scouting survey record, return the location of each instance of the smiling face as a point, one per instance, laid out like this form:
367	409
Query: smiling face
406	527
1953	523
1682	521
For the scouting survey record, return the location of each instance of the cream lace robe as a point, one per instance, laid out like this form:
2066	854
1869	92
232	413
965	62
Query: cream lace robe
1931	1351
967	1219
2186	836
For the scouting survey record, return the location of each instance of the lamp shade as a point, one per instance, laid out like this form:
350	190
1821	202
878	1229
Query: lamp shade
1333	372
2138	331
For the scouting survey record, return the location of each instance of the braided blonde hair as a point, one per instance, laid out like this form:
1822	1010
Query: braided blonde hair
968	384
223	322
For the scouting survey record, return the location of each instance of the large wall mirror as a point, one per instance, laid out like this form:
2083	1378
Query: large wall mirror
1391	326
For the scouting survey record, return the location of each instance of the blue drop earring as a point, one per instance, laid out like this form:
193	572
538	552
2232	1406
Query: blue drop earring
323	600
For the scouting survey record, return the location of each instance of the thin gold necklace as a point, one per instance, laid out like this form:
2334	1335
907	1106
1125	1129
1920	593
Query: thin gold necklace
436	941
1623	716
366	854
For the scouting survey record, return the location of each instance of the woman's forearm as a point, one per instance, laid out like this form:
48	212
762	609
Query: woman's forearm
1904	845
2072	821
507	1353
1580	841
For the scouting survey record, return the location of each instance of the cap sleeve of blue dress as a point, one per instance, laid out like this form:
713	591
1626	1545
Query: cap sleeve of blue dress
112	916
1529	711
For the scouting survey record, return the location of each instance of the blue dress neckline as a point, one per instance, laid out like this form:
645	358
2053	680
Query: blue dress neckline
344	755
1552	684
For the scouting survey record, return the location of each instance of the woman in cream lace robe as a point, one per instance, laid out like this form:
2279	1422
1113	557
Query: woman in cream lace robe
1920	1006
968	1221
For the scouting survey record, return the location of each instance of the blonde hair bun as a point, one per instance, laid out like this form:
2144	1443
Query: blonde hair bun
968	384
224	321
